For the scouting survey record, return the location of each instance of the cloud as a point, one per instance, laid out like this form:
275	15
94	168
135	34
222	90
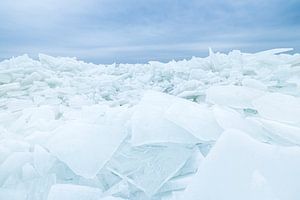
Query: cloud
109	30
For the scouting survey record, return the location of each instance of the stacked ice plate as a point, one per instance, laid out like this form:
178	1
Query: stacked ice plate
224	127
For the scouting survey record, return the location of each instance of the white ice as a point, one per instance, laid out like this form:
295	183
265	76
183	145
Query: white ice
73	192
238	167
85	148
279	107
77	130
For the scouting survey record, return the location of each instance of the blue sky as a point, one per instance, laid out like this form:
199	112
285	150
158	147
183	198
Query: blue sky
106	31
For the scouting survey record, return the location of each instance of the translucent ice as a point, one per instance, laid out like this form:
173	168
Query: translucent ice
149	167
239	167
149	124
279	107
253	83
73	192
233	96
42	160
13	163
288	133
12	194
5	78
136	131
85	148
196	119
230	119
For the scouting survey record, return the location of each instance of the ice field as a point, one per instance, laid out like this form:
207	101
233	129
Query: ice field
223	127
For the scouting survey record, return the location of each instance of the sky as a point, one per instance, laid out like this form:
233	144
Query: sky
135	31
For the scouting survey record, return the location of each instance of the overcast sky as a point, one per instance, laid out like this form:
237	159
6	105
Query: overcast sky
106	31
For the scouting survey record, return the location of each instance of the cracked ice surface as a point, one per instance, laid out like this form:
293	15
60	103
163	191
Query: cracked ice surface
222	127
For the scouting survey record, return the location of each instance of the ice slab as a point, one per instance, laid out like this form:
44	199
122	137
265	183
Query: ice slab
253	83
38	188
18	104
230	119
149	124
12	194
40	118
111	198
73	192
286	132
5	78
149	167
13	163
195	118
164	118
85	148
279	107
239	167
232	96
39	96
275	51
42	160
9	87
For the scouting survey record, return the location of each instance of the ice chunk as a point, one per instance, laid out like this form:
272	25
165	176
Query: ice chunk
286	132
38	137
77	101
42	160
230	119
232	96
9	87
15	145
275	51
73	192
195	118
107	179
39	96
32	77
85	148
13	163
28	172
38	188
111	198
18	104
239	167
149	124
5	78
149	167
279	107
253	83
12	194
36	118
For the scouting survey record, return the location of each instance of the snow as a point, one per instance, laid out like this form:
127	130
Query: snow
222	127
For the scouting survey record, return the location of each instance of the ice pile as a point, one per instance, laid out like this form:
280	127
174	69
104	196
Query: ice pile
216	128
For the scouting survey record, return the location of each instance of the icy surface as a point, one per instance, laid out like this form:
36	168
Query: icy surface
232	96
85	148
222	127
279	107
73	192
239	167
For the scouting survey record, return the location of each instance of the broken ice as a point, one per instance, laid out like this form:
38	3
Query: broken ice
222	127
